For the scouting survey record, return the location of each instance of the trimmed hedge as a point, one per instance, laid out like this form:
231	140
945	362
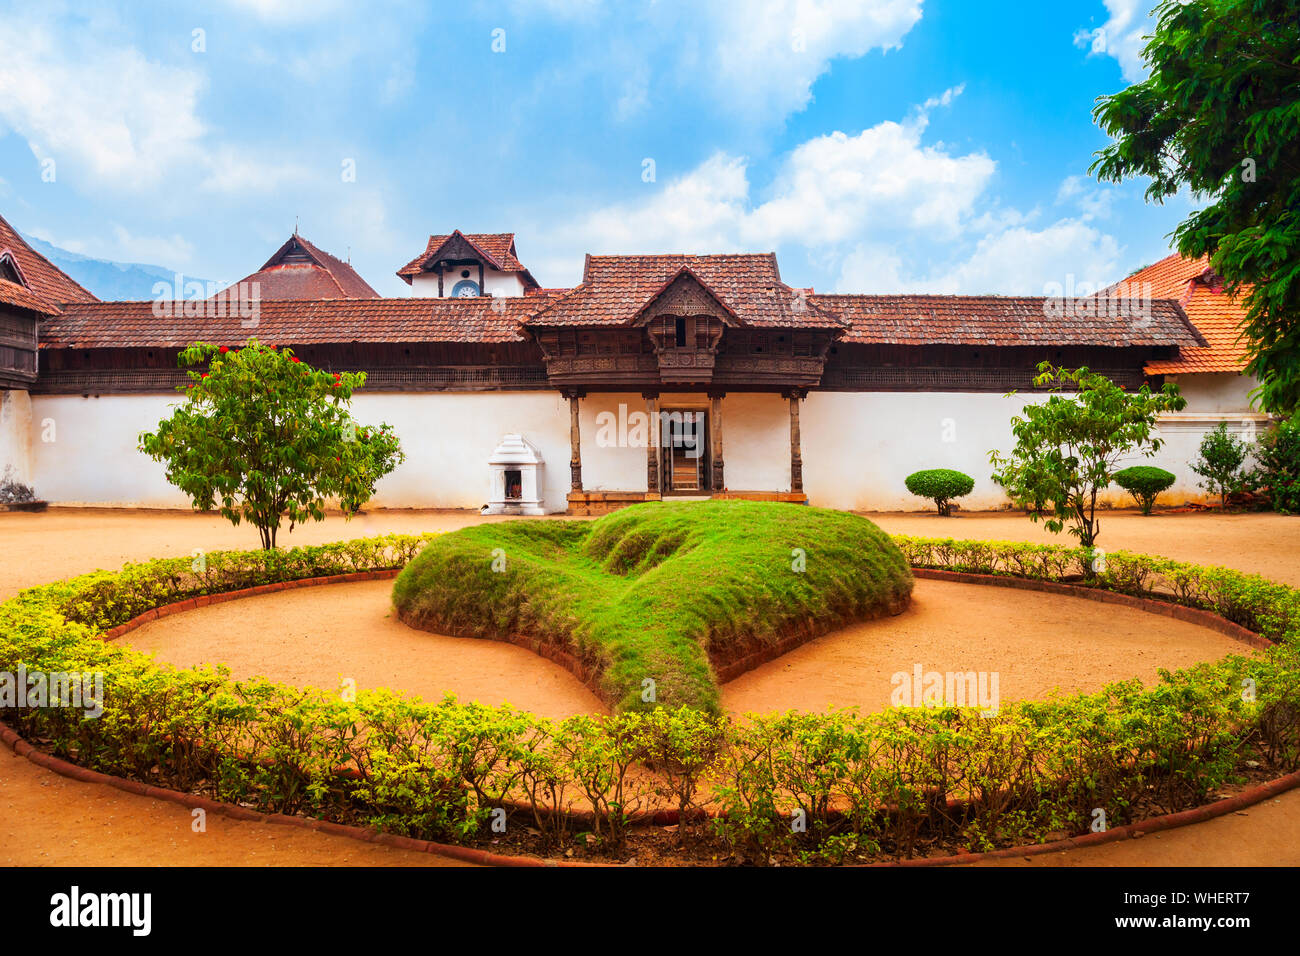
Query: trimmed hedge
1144	483
940	485
873	785
658	592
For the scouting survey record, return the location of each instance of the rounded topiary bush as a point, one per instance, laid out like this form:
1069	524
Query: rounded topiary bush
1144	483
941	485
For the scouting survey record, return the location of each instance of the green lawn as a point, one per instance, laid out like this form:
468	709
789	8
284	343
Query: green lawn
656	590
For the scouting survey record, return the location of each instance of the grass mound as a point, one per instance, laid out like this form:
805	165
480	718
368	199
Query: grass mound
658	592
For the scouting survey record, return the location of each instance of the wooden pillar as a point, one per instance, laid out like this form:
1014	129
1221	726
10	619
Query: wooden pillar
796	451
439	268
715	432
652	443
481	290
575	442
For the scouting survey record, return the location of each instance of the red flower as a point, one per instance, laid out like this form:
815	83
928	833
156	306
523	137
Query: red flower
293	358
224	349
205	374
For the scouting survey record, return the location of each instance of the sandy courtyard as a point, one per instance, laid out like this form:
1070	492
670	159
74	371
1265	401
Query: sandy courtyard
320	636
47	819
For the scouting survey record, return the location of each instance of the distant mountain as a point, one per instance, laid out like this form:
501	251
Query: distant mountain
107	279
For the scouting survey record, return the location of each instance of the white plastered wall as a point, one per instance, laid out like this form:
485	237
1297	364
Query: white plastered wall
858	447
15	435
495	283
447	436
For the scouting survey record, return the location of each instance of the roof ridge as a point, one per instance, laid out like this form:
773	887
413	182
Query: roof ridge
6	226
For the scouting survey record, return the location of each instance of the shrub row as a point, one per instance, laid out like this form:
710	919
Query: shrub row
1253	601
816	787
104	599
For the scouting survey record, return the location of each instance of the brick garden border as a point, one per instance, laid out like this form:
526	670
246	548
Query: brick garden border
1249	797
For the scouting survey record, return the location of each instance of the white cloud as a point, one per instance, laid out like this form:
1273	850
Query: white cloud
829	191
1015	261
1121	36
833	187
756	58
1092	201
126	118
289	11
109	113
767	56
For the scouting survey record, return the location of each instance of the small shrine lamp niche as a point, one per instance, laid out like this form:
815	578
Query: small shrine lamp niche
516	479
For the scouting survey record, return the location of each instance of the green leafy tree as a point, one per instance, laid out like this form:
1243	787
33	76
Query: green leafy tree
1067	448
1278	474
264	436
1220	115
1222	458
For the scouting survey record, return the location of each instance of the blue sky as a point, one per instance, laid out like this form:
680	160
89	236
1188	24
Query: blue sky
877	146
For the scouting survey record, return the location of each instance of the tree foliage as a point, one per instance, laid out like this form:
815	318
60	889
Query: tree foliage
264	436
1221	462
1067	448
1220	115
1278	474
941	485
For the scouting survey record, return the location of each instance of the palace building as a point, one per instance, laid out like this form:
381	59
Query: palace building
657	376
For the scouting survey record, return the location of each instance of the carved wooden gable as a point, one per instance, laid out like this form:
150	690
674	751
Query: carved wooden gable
456	249
685	296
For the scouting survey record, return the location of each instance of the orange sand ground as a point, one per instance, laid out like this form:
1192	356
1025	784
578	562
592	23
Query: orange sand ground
47	819
319	636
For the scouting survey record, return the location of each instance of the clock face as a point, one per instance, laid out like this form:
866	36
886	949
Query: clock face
465	289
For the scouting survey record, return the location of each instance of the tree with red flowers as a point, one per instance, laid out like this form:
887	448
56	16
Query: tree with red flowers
263	437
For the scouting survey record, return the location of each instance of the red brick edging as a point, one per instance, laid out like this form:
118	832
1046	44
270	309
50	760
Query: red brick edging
1169	821
22	748
1248	797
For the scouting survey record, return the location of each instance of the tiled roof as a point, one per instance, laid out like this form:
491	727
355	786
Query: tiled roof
20	297
328	321
498	248
616	289
322	277
1217	316
993	320
41	276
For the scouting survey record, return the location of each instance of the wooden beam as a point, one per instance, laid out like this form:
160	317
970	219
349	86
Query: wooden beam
715	433
575	443
796	451
652	442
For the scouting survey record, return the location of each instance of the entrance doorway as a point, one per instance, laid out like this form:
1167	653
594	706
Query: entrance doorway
685	437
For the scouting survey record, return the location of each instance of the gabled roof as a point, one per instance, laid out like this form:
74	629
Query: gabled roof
20	297
301	270
994	320
1218	317
616	290
291	322
41	277
497	249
